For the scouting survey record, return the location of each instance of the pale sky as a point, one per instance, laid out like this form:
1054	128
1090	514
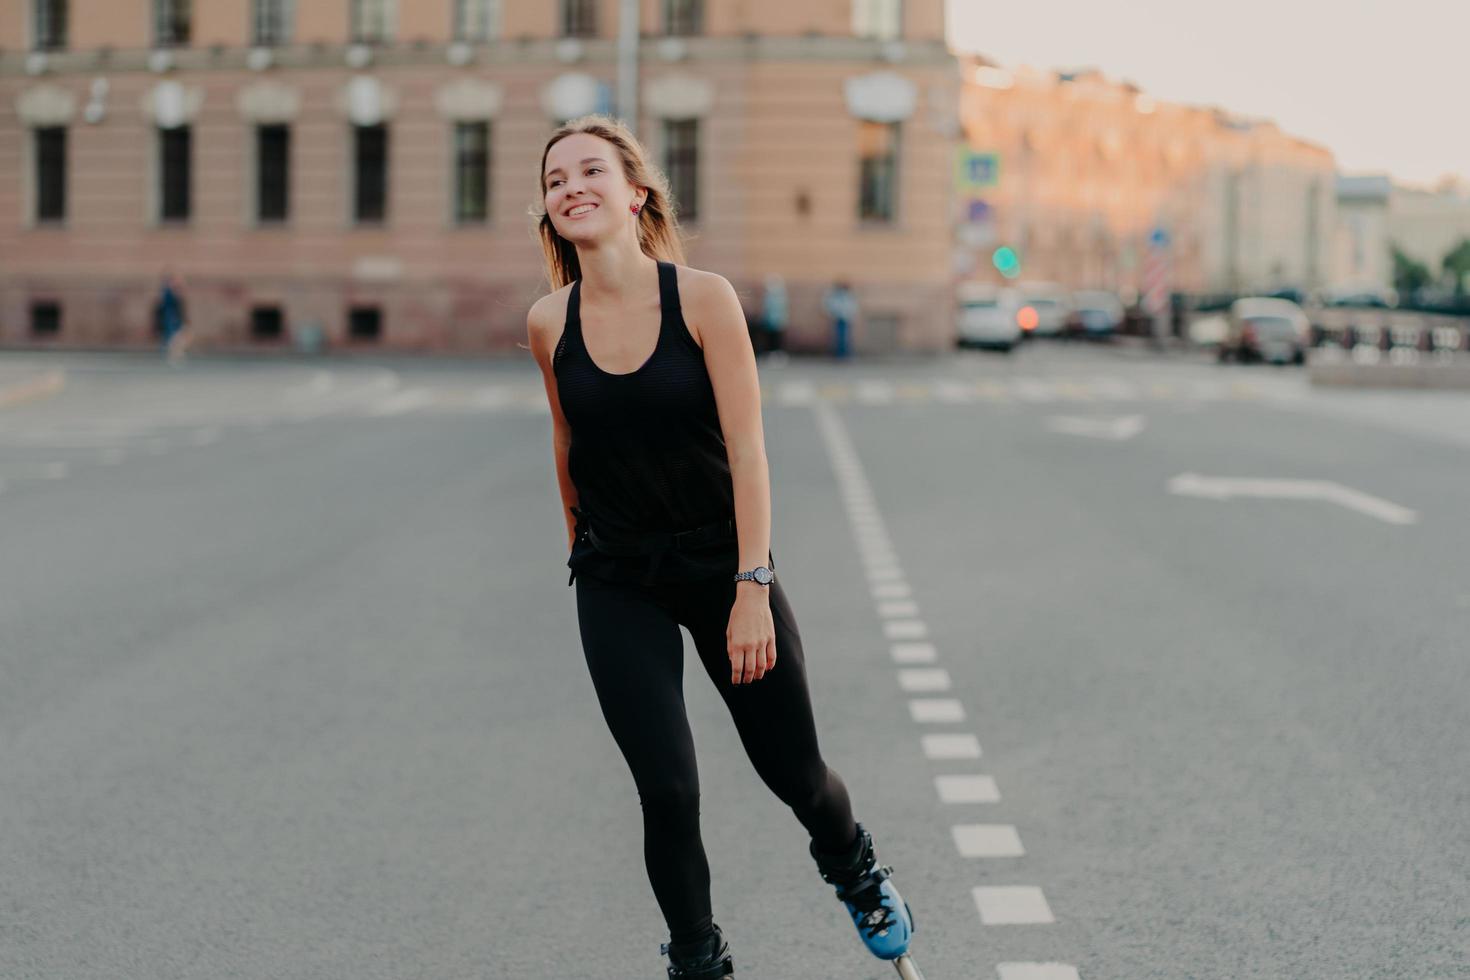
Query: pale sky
1381	83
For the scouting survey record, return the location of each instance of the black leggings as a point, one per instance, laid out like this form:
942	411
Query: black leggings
635	653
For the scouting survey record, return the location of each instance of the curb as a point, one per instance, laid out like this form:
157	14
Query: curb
32	389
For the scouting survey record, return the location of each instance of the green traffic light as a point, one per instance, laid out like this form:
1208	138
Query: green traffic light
1007	262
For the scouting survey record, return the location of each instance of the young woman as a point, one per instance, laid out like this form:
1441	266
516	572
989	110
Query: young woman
660	458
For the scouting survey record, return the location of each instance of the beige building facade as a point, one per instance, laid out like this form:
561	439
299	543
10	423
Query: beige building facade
367	167
1087	169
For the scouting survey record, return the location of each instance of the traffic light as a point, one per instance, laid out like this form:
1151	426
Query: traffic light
1007	261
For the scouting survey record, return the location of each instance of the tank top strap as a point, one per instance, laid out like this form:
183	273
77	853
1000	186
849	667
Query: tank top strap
668	288
571	331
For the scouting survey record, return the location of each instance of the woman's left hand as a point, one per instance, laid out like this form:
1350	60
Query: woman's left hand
751	636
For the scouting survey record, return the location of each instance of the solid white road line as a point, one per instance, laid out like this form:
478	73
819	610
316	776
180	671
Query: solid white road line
1037	971
913	653
936	711
924	680
979	840
951	747
1012	905
966	789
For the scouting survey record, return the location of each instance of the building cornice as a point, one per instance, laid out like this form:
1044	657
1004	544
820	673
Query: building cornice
551	52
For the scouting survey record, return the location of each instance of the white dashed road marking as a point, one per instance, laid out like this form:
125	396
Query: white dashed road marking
966	789
936	711
978	840
924	680
1007	905
914	653
951	747
1037	971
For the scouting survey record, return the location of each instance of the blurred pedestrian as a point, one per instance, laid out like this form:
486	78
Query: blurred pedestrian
171	320
653	462
842	306
774	313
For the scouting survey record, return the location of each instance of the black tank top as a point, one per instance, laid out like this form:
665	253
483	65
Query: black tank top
647	451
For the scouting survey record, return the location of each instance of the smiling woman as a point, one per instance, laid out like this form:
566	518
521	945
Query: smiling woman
660	459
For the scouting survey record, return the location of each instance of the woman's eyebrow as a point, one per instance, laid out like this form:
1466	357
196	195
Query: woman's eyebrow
585	161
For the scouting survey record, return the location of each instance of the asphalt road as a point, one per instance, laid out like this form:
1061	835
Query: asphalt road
291	683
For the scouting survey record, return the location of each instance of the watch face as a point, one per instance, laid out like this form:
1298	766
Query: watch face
764	575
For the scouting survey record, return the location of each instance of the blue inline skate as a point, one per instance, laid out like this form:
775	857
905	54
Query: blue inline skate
883	920
708	959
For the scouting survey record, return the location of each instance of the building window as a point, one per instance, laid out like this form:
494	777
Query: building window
51	174
172	22
878	171
49	19
372	21
271	25
364	323
579	18
471	172
476	20
272	172
267	323
45	318
370	185
683	18
878	20
173	173
681	163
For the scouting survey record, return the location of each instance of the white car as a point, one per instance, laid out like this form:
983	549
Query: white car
1260	327
1045	307
987	316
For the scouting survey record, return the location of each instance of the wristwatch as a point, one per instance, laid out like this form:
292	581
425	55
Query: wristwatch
759	574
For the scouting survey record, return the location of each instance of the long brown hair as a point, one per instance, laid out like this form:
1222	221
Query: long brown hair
658	228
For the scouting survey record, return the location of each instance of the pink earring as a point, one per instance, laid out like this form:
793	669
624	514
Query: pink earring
634	207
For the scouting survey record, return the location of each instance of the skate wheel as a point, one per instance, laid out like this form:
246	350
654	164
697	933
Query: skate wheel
907	968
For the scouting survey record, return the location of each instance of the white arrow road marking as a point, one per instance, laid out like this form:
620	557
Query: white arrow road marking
1223	488
1098	427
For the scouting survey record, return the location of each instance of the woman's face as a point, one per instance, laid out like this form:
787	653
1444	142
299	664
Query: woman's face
587	195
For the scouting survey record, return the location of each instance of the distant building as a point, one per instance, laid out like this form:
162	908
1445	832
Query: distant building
1378	215
366	166
1088	169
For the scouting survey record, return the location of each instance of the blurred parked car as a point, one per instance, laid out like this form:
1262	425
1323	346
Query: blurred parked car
987	316
1044	308
1096	314
1262	328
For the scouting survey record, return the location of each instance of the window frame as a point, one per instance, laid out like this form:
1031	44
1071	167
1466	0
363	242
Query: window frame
357	26
865	16
385	178
40	185
45	34
684	18
167	17
161	186
577	18
685	169
490	14
262	174
265	13
462	166
894	158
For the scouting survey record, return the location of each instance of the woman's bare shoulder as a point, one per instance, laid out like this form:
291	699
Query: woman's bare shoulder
546	318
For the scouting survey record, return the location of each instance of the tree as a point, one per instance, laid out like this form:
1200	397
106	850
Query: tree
1409	274
1457	263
